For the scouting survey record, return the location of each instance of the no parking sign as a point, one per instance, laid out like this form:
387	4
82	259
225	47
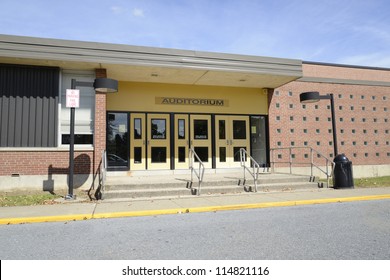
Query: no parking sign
72	98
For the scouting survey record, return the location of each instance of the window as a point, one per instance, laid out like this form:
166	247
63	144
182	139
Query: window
374	109
290	93
277	93
291	106
304	118
304	130
279	130
352	108
317	130
291	118
277	105
292	130
317	119
340	108
85	114
340	96
351	96
316	107
278	118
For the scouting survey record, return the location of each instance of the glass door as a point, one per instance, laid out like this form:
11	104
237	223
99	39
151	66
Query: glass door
158	141
181	141
117	141
200	137
137	142
232	134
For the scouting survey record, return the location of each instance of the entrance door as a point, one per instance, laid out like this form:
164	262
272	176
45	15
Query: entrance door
200	137
158	141
117	141
137	142
232	133
182	140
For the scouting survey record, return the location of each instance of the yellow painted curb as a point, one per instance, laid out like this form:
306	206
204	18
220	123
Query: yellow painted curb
79	217
42	219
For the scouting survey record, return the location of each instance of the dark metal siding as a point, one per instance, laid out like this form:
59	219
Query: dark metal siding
28	106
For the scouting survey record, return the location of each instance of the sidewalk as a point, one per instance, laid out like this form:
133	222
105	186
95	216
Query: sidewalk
84	210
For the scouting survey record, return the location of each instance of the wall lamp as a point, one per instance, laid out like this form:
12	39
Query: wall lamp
314	96
101	85
342	172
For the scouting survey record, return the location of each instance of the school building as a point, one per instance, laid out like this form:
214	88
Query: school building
169	101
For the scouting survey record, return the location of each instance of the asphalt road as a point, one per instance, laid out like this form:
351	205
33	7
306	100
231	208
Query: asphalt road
355	230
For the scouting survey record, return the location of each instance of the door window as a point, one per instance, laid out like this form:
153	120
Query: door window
158	129
200	129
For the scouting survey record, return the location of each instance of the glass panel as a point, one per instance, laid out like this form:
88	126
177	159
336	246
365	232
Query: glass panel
222	129
222	154
159	154
203	153
137	154
259	139
239	129
182	129
182	154
137	129
158	128
236	151
117	139
200	129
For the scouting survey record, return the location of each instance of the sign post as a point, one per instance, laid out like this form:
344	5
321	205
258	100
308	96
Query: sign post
72	102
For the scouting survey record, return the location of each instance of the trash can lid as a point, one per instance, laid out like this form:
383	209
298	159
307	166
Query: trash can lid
341	158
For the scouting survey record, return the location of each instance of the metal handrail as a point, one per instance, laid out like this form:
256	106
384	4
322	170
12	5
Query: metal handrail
199	172
253	171
328	163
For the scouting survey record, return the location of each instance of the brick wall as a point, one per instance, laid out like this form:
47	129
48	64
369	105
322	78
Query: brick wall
100	123
362	116
43	162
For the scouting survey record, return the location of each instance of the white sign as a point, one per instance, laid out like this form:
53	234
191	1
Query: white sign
72	98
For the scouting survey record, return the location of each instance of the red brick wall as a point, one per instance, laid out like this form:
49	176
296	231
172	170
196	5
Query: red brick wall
363	125
43	162
100	123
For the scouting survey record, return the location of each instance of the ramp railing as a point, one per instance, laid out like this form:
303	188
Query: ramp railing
198	171
253	168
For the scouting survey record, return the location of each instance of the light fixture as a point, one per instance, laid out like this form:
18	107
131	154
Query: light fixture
105	85
309	97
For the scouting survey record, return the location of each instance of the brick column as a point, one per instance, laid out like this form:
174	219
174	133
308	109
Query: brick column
100	125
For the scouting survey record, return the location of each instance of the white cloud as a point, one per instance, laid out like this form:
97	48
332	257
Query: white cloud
138	12
117	10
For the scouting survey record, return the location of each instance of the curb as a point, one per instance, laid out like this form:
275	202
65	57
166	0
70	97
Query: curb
80	217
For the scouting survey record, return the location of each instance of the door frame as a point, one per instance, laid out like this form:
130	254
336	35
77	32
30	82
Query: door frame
229	143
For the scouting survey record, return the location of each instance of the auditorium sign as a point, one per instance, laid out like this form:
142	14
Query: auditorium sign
192	101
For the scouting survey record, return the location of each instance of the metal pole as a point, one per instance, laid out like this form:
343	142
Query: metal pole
333	126
71	147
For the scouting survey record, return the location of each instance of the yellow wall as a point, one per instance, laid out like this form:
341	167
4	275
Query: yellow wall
141	97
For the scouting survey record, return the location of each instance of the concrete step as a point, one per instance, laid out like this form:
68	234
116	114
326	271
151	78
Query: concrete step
216	185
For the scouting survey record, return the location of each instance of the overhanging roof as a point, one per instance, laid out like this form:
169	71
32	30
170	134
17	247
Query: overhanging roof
148	64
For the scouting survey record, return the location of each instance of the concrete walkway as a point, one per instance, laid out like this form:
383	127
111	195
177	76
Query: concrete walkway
84	210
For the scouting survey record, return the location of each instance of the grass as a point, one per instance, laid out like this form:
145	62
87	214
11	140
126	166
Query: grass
372	182
29	198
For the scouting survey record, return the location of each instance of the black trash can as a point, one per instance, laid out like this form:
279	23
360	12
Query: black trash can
342	174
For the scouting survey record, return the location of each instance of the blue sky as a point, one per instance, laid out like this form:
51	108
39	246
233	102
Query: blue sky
336	31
